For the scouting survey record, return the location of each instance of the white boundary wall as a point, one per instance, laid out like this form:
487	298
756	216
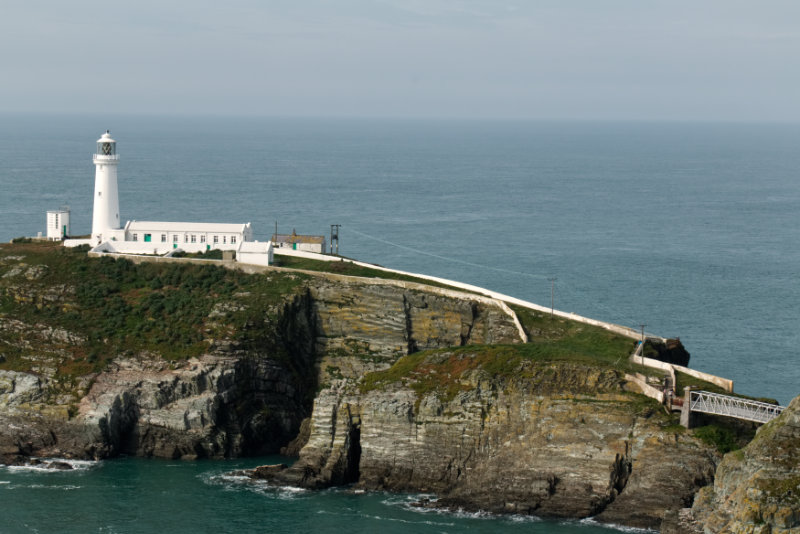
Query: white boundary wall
76	242
617	329
724	383
646	389
492	297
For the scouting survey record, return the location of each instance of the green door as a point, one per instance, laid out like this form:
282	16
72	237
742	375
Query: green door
147	238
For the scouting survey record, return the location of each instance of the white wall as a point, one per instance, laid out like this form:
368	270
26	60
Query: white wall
203	240
319	248
254	258
56	221
724	383
76	242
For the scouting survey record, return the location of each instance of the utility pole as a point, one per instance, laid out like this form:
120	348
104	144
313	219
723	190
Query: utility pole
552	294
642	327
335	237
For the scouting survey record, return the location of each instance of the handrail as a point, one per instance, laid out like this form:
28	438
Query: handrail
749	410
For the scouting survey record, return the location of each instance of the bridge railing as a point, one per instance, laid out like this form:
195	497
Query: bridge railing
749	410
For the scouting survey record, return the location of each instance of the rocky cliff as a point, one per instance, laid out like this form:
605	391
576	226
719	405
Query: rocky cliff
389	384
757	489
102	357
487	429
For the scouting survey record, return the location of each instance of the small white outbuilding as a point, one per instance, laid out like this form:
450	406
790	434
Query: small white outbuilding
255	252
58	224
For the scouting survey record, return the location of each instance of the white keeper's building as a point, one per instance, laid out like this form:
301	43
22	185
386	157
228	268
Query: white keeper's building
155	237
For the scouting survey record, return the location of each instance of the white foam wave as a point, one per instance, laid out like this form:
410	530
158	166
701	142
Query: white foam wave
611	526
411	503
64	487
391	519
232	482
46	465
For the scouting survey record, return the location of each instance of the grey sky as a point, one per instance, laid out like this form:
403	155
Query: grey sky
591	59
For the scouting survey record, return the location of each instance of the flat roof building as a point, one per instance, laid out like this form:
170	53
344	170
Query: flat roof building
295	241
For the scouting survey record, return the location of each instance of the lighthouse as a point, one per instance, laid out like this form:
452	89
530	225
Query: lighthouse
109	235
105	217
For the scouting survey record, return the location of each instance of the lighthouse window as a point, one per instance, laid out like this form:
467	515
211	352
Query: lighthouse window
163	238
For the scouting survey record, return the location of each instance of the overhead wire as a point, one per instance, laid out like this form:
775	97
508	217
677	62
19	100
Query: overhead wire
562	287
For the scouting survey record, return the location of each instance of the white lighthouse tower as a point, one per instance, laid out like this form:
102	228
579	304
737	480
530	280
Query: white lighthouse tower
105	218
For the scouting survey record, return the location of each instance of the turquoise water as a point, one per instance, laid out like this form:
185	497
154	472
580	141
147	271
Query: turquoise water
691	229
133	495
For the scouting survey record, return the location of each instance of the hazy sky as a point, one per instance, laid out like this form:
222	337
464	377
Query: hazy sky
589	59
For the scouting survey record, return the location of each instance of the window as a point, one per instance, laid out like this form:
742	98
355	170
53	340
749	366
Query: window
216	239
194	238
174	238
202	239
224	239
233	239
185	238
136	237
163	238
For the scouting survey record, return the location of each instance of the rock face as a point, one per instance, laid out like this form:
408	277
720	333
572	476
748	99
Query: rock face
363	325
757	489
672	351
549	439
209	407
331	368
240	397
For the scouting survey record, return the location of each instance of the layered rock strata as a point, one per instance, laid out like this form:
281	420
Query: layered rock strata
249	392
551	439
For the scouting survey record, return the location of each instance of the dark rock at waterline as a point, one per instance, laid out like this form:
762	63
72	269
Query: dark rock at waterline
267	472
672	351
59	466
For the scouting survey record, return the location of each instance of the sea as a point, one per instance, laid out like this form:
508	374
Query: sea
682	229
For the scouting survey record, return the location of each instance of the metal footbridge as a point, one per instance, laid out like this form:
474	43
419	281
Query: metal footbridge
749	410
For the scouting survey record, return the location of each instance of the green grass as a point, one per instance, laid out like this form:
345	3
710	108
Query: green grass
722	438
441	366
546	369
122	308
350	269
559	338
683	380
